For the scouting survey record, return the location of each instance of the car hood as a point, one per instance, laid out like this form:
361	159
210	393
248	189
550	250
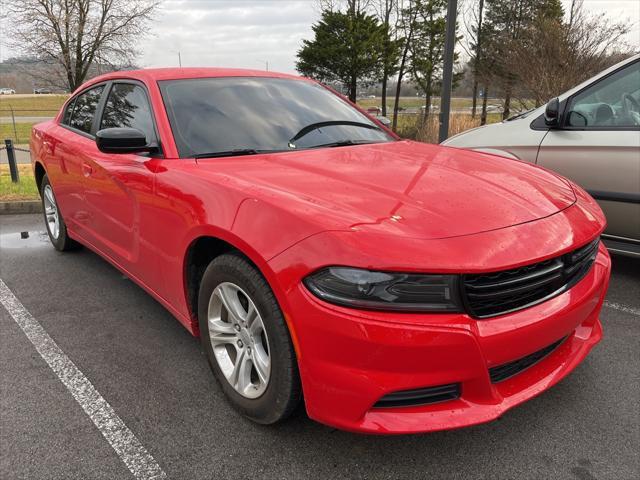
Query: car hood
403	188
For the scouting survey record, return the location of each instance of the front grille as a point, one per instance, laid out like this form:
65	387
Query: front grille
497	293
502	372
420	396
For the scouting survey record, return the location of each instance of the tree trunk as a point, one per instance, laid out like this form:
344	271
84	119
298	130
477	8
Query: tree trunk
474	99
478	61
427	101
385	77
483	115
507	104
353	87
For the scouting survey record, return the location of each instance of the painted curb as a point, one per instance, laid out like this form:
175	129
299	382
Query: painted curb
16	208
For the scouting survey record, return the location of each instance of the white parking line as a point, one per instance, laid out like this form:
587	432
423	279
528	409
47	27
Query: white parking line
622	308
124	442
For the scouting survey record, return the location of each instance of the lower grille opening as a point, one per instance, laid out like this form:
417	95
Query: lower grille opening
508	370
420	396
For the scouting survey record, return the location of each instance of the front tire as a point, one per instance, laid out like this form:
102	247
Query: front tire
56	228
246	340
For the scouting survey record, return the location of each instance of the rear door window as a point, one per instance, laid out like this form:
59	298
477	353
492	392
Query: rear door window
84	109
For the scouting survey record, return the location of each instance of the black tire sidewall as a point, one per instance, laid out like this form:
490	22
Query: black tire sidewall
282	392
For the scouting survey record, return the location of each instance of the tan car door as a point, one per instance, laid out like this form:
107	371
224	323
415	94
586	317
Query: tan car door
598	146
607	165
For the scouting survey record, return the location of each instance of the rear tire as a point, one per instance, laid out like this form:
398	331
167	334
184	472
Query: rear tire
56	228
246	340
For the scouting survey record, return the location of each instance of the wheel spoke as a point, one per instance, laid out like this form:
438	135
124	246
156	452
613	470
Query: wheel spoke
220	335
256	326
229	299
49	194
240	377
261	364
251	315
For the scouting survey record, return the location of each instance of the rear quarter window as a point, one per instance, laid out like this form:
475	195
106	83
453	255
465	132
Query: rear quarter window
66	118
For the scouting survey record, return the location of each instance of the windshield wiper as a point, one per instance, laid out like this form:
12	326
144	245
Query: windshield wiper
233	153
343	143
317	125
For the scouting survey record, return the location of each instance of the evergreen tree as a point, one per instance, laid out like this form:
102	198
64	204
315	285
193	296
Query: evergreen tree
346	47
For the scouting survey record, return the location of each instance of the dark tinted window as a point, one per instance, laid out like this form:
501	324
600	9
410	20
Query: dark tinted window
85	108
221	114
67	112
127	106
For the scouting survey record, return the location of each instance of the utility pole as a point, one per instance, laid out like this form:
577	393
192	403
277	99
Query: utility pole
447	71
179	59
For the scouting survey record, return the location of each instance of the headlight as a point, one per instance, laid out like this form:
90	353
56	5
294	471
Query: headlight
366	289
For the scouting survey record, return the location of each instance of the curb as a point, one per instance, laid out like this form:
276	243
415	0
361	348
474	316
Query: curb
16	208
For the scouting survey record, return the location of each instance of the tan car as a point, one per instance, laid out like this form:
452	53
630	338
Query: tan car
590	134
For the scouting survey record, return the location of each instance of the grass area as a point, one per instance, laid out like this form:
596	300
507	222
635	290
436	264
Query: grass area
412	126
32	105
25	189
20	135
457	103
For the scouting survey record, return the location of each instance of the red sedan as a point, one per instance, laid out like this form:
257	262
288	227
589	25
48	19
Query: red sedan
394	286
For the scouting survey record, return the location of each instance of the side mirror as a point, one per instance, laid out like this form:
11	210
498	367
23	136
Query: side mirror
384	120
122	140
552	113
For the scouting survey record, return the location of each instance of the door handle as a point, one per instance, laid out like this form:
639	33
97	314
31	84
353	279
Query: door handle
86	169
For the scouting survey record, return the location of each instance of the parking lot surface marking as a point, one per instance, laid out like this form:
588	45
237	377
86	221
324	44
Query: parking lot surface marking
141	464
622	308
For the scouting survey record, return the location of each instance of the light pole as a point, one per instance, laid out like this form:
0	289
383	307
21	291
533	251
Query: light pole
447	71
179	57
266	64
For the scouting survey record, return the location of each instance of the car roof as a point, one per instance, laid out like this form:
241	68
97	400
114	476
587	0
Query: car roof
158	74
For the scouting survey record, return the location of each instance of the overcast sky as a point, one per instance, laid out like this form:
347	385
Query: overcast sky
249	33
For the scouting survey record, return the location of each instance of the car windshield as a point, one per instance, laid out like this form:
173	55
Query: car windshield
261	114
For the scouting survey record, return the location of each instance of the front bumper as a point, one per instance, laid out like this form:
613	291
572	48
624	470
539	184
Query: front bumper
350	359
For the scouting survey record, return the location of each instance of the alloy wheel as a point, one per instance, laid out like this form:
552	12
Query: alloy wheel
239	340
51	212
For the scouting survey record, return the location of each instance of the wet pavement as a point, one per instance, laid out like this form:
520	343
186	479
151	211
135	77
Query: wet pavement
152	373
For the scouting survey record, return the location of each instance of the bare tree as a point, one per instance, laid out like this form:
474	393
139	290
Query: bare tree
76	34
407	13
354	6
553	56
472	19
385	11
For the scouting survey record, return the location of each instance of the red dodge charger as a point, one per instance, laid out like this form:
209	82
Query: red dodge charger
393	286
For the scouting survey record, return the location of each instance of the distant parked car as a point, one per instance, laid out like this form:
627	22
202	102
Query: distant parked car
371	96
41	91
590	134
7	91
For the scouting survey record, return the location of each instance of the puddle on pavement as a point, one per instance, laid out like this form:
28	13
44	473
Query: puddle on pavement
24	240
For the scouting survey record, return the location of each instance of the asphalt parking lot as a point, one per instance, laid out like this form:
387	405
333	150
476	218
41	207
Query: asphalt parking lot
152	373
